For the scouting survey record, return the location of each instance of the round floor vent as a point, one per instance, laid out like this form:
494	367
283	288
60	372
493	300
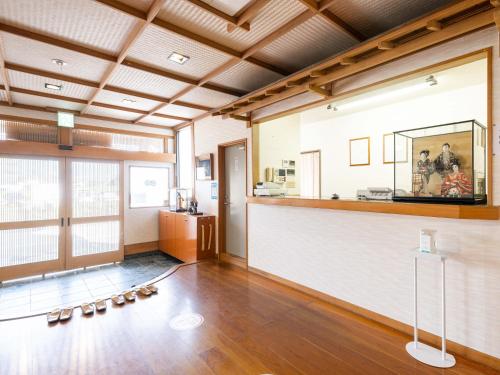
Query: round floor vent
186	321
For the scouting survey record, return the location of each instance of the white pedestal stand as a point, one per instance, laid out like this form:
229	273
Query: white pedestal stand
422	352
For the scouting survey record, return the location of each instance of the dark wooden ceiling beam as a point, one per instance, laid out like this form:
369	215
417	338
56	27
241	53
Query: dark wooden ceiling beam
132	38
3	74
248	13
94	84
107	57
356	59
166	25
234	21
321	9
85	102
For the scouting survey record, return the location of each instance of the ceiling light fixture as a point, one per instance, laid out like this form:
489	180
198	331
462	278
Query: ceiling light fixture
384	96
51	86
128	101
60	63
431	80
178	58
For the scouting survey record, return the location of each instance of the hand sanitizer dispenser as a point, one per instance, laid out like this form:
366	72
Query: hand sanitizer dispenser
427	242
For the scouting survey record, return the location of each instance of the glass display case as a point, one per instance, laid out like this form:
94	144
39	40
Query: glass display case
441	164
179	199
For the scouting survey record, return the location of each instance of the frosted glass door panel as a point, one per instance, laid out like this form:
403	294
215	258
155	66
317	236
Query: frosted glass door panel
28	245
95	189
95	238
31	215
29	189
95	221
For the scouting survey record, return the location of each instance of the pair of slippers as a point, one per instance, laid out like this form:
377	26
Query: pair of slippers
66	313
88	308
60	315
100	304
129	295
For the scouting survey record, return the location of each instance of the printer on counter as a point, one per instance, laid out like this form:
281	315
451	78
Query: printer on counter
267	189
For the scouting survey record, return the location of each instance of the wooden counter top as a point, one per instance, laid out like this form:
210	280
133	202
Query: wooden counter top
387	207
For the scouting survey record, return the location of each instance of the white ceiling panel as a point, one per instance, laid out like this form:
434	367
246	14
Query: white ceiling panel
372	17
176	110
207	97
229	7
100	111
155	120
3	96
156	45
45	102
315	37
37	83
84	22
275	14
19	50
149	83
246	76
115	98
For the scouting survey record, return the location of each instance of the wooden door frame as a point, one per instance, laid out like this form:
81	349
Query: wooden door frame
221	219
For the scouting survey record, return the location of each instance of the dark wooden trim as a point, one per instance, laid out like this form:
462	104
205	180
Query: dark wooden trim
142	247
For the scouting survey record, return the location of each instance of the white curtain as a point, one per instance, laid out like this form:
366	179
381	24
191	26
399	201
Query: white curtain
310	174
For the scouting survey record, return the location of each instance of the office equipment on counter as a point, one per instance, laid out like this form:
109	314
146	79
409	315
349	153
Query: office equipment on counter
335	196
269	192
267	185
375	193
266	189
277	175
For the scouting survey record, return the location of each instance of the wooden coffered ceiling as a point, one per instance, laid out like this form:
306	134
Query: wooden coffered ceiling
116	50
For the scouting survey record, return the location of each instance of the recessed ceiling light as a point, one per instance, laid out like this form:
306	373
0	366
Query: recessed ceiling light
59	62
128	101
51	86
178	58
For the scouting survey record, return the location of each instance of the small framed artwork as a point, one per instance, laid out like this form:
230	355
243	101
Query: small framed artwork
205	167
359	151
401	149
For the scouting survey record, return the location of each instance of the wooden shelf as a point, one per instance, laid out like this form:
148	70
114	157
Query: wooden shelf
414	209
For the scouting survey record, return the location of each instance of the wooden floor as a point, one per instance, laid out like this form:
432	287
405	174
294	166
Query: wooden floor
252	326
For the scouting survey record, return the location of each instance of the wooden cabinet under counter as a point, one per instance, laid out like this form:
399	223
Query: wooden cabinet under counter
187	237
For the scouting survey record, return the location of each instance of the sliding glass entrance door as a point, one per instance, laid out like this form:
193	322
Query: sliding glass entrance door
31	216
94	212
58	214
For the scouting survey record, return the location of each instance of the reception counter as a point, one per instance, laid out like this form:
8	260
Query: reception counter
450	211
349	251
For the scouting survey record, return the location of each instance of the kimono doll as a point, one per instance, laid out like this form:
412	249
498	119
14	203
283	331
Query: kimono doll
445	160
425	168
456	184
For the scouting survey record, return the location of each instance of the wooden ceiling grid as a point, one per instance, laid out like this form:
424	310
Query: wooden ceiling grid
209	87
473	15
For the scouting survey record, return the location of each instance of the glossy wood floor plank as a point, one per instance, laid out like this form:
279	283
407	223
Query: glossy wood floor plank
252	326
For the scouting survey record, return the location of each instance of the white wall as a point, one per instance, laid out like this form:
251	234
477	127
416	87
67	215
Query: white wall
280	140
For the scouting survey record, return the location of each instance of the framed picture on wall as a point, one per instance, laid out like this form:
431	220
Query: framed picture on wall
359	151
205	167
401	153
